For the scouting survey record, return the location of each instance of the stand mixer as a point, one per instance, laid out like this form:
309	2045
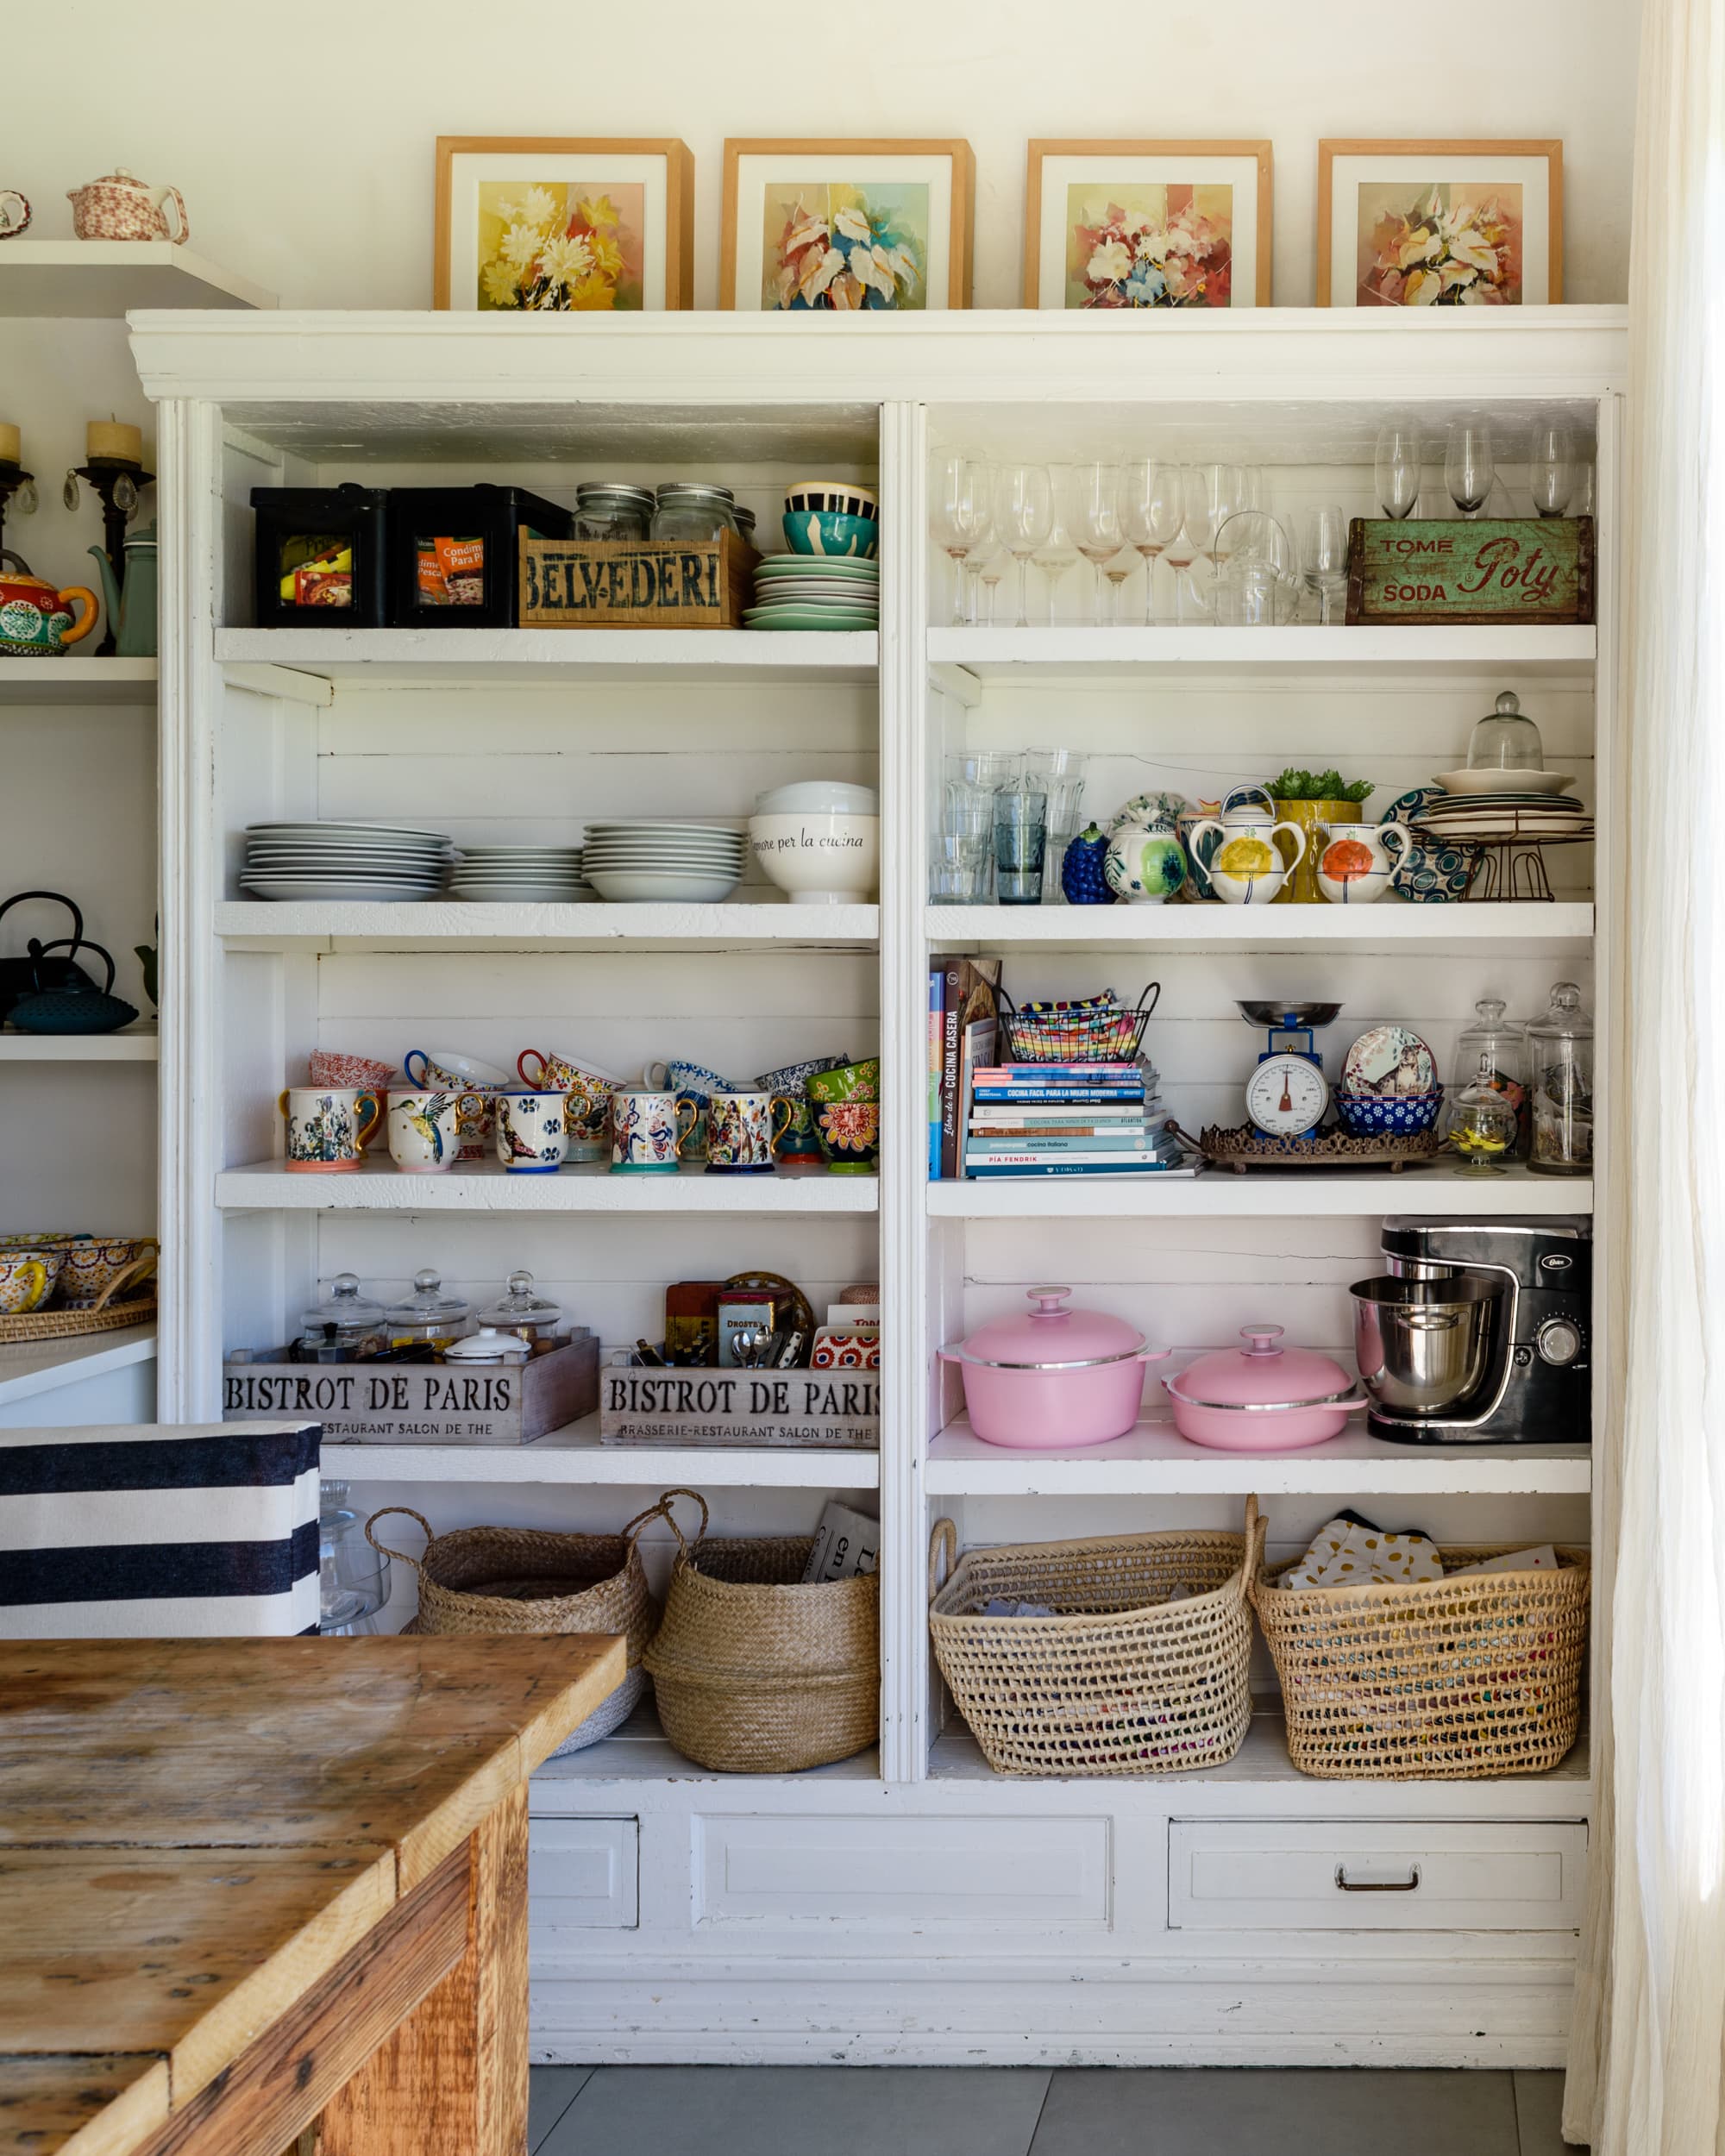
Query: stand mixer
1478	1333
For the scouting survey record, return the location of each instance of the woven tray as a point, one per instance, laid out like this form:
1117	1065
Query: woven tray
104	1315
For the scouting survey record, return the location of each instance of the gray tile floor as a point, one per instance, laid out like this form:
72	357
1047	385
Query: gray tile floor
1026	2111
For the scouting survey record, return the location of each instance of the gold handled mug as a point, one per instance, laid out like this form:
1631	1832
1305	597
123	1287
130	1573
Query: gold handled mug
326	1126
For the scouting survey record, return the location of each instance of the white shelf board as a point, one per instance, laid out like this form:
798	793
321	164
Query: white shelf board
43	1366
417	658
575	1455
1018	654
132	1044
1154	1460
87	279
1526	930
1261	1193
484	1187
368	926
641	1751
73	680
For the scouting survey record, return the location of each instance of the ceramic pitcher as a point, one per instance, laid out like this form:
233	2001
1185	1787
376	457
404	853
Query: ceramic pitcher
119	206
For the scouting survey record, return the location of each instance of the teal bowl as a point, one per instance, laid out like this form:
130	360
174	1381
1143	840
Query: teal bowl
824	531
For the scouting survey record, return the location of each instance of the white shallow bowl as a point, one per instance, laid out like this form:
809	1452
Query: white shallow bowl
821	797
624	887
1507	781
818	858
348	830
652	826
303	888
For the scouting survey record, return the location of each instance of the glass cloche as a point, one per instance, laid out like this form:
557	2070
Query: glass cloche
428	1313
1495	1047
1505	739
1561	1048
352	1577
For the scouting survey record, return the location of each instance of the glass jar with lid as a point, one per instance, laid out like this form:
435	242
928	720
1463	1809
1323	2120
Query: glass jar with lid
612	508
341	1326
693	512
353	1576
522	1310
1505	739
428	1314
1493	1051
1561	1052
1482	1123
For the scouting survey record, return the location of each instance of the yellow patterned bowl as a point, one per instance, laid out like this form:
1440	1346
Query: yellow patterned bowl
24	1283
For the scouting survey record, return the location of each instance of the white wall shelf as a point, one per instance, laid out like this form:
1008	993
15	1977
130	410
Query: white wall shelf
574	1457
1154	1460
641	1751
363	925
30	683
1020	654
483	1187
1219	1195
87	279
44	1366
1448	930
136	1043
419	658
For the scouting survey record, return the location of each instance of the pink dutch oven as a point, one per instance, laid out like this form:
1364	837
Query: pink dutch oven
1262	1398
1054	1380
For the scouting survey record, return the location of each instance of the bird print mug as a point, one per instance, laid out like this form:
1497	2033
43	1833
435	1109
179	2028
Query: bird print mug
532	1131
648	1130
425	1129
739	1133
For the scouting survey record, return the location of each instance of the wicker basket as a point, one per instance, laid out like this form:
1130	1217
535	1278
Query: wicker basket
1433	1681
755	1673
1121	1680
526	1580
1101	1031
105	1314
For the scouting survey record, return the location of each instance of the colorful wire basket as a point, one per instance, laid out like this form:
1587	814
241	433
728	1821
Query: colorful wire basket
1093	1030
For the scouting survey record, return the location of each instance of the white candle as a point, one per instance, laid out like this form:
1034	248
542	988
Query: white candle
114	439
11	444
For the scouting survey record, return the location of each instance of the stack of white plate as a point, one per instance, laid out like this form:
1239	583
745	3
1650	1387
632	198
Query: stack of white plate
1457	817
809	590
344	861
641	858
504	876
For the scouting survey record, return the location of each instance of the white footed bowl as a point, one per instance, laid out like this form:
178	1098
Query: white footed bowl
820	860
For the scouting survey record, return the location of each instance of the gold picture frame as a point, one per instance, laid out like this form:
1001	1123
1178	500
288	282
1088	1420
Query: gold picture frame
1246	167
1527	265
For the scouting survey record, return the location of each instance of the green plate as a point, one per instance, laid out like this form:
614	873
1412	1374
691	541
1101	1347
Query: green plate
840	571
807	617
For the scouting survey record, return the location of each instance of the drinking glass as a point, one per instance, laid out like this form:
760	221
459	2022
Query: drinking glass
1024	517
1323	558
1096	524
1398	468
962	855
1155	510
1581	501
1552	468
1021	836
1060	772
1467	467
960	512
1227	487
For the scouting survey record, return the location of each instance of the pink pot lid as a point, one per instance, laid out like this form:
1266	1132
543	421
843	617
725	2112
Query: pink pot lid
1264	1375
1051	1337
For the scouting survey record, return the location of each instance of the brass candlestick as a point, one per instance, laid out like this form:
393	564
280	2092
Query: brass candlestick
13	479
119	483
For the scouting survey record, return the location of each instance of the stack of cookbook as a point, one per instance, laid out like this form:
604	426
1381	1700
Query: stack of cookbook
1069	1120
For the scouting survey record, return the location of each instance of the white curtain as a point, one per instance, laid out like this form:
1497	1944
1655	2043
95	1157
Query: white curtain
1648	2053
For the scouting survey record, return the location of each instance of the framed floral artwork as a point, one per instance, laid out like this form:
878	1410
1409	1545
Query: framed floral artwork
1147	224
846	227
544	224
1439	224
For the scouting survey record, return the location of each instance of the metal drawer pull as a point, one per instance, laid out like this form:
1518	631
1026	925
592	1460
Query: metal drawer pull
1375	1886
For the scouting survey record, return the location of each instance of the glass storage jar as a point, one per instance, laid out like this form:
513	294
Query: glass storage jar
428	1314
1561	1045
352	1577
523	1311
1494	1050
338	1328
612	509
692	511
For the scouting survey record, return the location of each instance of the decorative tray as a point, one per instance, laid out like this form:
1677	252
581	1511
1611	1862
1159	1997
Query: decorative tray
1246	1147
69	1325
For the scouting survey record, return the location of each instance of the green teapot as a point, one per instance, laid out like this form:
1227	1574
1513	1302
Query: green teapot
131	609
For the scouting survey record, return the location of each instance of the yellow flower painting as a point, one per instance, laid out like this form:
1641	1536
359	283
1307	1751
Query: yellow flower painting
567	249
1441	245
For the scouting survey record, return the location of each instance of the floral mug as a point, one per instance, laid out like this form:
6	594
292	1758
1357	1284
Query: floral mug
330	1067
326	1127
847	1114
532	1131
24	1282
648	1130
588	1093
441	1070
739	1133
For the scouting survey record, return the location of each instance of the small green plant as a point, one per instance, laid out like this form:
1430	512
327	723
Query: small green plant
1317	786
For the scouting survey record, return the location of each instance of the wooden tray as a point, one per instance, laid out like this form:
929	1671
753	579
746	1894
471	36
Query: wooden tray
1244	1147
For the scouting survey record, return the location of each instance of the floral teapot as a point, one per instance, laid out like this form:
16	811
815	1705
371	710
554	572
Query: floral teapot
1146	863
118	206
35	621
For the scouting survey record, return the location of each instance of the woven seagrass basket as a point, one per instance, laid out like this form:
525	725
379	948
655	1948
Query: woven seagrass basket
1121	1680
755	1673
529	1580
1434	1680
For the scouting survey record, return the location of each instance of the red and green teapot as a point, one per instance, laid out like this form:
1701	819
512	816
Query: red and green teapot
35	620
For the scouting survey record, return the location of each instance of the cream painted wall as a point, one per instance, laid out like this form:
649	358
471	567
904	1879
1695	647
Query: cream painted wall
303	139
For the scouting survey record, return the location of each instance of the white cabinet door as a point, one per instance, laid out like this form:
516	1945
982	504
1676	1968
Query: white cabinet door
583	1873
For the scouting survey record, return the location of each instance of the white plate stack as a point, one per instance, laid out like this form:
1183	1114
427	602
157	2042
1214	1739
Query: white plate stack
639	859
520	875
309	861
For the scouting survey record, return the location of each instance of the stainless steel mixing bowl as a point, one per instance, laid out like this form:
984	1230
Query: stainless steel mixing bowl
1424	1346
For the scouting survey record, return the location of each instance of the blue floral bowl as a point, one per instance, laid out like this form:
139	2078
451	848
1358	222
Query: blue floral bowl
825	531
1373	1115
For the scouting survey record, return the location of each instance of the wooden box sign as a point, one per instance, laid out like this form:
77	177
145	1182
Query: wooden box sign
636	583
1509	569
419	1403
840	1408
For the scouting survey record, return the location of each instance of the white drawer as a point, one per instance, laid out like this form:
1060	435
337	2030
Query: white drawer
1375	1875
584	1872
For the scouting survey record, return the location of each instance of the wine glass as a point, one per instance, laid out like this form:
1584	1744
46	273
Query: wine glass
1155	510
1468	466
990	574
1055	554
1323	557
1398	468
1552	468
960	510
1024	517
1227	487
1096	524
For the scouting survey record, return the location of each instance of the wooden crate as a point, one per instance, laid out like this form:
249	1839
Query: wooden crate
419	1403
636	583
837	1409
1497	569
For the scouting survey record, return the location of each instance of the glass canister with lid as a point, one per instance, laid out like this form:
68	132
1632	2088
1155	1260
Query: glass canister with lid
1493	1051
342	1326
428	1314
523	1311
693	511
1561	1044
612	508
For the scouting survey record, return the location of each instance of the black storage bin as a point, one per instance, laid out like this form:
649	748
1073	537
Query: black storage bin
452	553
318	556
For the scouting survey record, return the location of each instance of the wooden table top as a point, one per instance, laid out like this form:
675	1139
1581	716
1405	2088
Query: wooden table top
193	1832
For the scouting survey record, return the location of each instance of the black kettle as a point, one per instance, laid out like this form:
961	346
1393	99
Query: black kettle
40	993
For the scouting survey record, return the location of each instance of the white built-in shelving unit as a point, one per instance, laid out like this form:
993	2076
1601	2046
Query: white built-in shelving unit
923	1907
